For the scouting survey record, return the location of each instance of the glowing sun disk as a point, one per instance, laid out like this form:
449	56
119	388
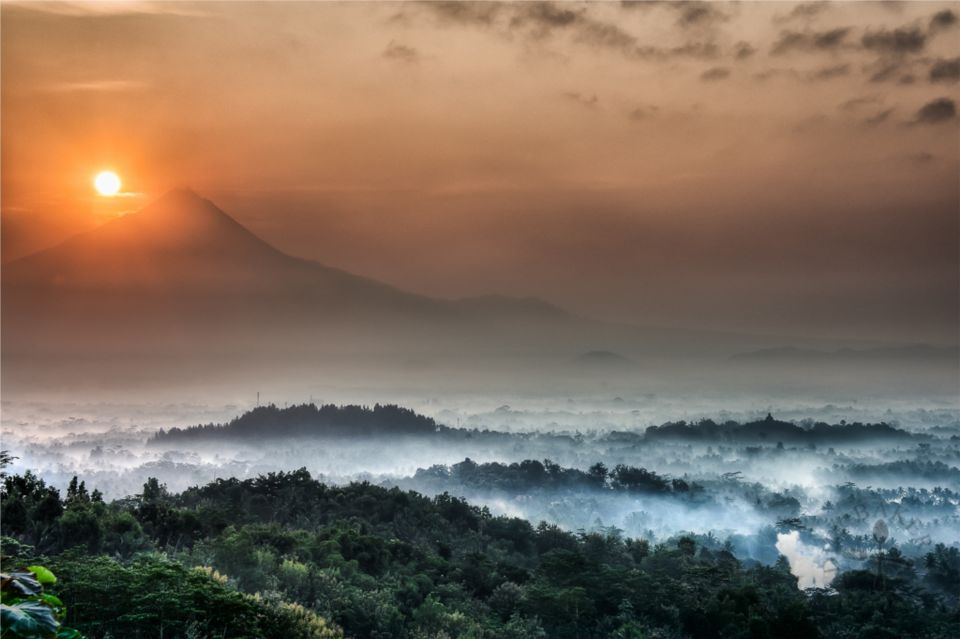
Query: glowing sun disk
107	183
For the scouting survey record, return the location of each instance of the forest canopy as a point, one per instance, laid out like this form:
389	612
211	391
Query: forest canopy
284	555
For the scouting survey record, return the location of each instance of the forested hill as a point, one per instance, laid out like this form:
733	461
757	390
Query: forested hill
773	430
284	555
310	420
329	420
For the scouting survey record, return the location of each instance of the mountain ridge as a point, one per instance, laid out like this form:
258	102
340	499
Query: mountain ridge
182	273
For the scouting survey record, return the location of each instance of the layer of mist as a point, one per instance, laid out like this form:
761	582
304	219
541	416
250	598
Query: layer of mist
808	484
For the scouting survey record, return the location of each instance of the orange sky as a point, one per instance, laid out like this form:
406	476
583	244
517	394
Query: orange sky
773	167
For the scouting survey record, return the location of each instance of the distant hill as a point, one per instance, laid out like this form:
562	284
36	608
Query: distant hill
183	276
308	420
772	430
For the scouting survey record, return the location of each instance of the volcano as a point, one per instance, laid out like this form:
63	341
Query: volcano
182	287
182	276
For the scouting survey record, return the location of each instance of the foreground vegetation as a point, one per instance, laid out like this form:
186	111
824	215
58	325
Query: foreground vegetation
284	555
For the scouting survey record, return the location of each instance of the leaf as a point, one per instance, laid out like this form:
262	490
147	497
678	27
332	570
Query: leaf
29	619
21	582
69	633
44	575
14	619
59	610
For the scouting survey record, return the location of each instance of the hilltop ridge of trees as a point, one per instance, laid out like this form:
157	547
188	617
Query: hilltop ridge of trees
330	420
309	419
774	430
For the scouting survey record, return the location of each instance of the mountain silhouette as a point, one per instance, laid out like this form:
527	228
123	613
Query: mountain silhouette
181	288
182	274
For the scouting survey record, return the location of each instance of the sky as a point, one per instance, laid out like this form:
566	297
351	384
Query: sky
780	168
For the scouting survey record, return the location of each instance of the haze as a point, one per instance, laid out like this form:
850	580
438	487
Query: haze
574	320
762	167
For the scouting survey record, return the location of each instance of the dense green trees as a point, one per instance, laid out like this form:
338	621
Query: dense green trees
283	555
309	420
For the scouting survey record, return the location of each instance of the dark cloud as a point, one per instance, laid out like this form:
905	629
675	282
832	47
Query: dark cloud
890	70
936	112
828	73
466	13
401	53
698	14
589	101
545	16
606	36
692	13
943	20
767	74
714	74
695	50
542	20
813	75
743	50
895	42
830	40
878	118
805	11
945	70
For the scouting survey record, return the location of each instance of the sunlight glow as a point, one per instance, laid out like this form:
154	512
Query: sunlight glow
107	183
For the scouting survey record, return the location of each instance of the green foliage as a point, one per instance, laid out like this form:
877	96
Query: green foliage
283	555
26	611
43	575
154	596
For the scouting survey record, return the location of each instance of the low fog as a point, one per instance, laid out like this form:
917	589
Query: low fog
813	499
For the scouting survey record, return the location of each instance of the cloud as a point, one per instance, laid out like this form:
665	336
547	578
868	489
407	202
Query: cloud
466	13
878	118
945	70
896	42
401	53
767	74
886	70
547	16
698	13
830	40
714	74
743	50
943	20
828	73
606	36
936	112
536	21
812	75
691	49
692	13
589	101
805	11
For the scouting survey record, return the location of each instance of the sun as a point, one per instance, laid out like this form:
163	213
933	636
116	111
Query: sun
107	183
